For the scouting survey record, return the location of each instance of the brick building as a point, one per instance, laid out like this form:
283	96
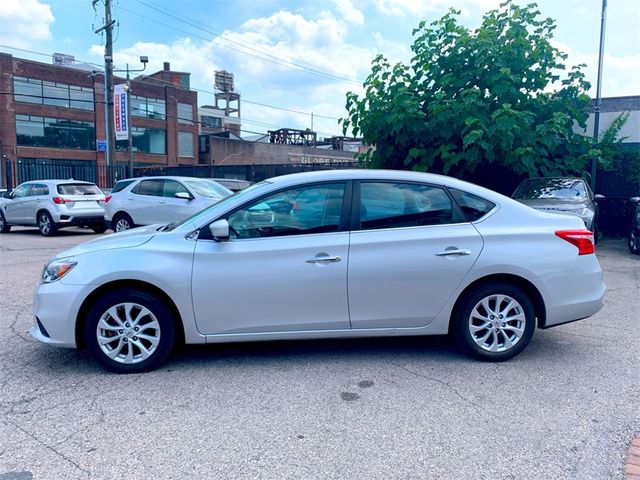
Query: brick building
52	122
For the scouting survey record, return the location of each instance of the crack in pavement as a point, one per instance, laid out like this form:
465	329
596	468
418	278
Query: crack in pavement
441	382
44	444
12	329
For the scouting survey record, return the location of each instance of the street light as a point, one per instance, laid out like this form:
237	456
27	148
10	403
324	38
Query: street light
144	60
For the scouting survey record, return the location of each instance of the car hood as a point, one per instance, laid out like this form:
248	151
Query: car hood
555	205
126	239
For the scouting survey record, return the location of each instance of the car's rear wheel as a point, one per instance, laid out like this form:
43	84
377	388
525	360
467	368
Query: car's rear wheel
46	225
494	322
99	227
121	222
129	331
4	227
633	240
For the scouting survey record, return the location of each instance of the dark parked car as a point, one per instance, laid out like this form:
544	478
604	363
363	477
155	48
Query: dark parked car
634	232
563	195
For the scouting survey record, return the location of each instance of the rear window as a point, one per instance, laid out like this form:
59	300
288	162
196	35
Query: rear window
473	207
121	185
78	189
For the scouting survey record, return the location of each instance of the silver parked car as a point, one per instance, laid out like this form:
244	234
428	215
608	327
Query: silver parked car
562	195
333	254
150	200
53	204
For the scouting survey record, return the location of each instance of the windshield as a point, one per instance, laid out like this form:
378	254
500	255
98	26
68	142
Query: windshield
208	188
560	188
205	213
78	189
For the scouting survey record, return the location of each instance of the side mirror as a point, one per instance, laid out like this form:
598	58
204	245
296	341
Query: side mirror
183	195
634	200
597	197
219	230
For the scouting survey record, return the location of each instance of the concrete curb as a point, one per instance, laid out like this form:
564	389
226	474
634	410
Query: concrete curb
632	470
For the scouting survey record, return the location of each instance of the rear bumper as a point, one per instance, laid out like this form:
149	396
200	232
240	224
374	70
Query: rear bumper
580	297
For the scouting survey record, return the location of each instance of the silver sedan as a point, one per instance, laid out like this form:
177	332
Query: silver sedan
334	254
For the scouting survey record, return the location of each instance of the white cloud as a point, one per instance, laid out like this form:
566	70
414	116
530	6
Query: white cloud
620	73
420	8
302	44
25	23
350	13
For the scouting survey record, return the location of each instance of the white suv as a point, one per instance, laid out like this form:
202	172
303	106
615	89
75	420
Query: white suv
53	204
151	200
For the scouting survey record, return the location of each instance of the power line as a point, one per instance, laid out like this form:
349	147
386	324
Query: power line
210	92
298	65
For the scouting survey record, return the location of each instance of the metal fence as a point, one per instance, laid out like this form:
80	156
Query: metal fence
615	210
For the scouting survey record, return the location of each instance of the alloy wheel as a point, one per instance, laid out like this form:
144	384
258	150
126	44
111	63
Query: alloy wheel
497	323
44	224
122	224
128	333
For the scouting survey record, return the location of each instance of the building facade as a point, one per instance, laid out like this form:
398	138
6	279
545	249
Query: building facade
53	124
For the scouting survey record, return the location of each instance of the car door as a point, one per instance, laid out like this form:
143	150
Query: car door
143	202
275	273
409	250
35	198
14	207
172	208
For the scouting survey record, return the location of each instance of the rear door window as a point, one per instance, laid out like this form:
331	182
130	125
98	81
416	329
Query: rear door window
149	187
395	205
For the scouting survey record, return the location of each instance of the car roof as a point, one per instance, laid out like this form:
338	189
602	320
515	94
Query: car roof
164	177
385	175
60	182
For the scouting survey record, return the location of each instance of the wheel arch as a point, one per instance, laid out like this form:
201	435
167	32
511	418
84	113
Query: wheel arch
525	285
131	285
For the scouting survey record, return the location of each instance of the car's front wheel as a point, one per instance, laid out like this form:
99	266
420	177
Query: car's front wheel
4	227
494	322
633	240
129	331
46	225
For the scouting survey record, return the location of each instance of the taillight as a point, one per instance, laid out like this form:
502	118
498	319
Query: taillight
60	200
583	239
105	199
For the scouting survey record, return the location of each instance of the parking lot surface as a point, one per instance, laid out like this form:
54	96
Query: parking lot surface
377	408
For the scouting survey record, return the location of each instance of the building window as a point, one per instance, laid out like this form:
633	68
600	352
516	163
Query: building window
146	140
211	122
148	107
185	144
36	131
50	93
185	113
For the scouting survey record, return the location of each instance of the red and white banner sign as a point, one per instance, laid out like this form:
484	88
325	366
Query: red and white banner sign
120	107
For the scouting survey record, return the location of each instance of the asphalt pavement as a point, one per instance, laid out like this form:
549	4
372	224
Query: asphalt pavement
566	408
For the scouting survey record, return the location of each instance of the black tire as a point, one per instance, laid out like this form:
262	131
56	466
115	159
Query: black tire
633	241
45	224
4	228
128	357
121	222
99	227
501	331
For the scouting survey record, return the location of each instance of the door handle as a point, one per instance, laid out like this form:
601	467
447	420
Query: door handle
455	251
323	259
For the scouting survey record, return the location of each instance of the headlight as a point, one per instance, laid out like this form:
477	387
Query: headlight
56	269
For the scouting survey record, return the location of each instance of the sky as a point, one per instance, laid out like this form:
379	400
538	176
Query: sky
294	61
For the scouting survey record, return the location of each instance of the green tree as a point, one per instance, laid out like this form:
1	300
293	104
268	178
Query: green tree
493	95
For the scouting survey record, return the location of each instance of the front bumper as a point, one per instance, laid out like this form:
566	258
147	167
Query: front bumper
56	306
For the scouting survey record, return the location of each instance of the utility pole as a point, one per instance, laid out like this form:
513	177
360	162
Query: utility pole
108	80
596	109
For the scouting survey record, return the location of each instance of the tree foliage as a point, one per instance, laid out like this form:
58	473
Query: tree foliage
492	95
